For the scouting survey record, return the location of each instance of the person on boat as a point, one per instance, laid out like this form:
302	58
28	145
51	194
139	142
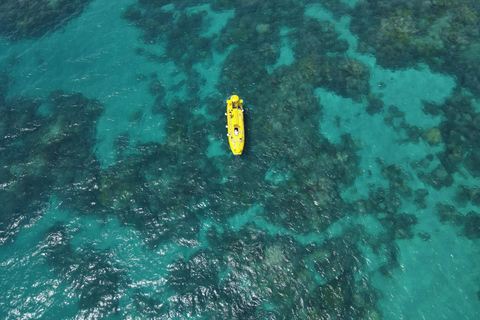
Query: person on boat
235	102
236	131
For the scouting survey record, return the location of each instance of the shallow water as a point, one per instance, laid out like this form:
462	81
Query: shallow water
355	198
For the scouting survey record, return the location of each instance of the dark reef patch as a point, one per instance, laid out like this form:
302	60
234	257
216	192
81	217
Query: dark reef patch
375	105
338	262
259	271
46	154
472	225
470	221
89	272
460	135
448	213
442	34
33	19
398	180
321	61
396	119
158	189
420	196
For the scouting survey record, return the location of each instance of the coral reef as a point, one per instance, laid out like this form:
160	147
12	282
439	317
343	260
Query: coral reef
272	234
442	34
459	134
32	19
43	153
88	272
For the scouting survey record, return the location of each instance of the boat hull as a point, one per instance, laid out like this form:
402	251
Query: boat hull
235	125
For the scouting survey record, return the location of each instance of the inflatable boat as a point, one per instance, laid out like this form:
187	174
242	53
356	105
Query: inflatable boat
235	126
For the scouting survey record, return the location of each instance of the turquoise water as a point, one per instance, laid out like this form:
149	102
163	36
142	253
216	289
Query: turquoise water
356	196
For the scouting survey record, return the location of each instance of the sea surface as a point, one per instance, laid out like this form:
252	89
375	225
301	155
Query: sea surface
357	195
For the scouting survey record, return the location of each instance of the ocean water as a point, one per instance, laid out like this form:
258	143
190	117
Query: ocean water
357	195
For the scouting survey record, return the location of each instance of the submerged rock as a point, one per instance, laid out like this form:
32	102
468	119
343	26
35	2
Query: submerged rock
432	136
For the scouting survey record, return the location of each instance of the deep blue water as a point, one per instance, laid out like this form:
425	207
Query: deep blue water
356	196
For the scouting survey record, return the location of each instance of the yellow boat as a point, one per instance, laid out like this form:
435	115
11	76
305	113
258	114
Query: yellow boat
236	130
